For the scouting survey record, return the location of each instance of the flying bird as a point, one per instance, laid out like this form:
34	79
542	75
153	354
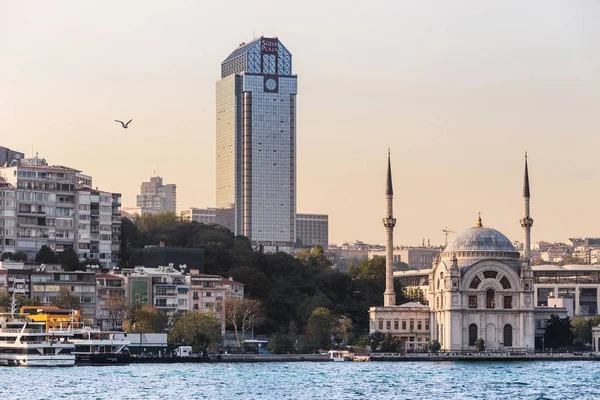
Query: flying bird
125	125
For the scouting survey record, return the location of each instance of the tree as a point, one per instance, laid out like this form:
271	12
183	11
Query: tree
320	326
118	307
434	346
197	329
69	259
242	315
480	344
5	300
19	256
558	332
45	255
314	256
344	330
281	343
415	294
66	301
147	320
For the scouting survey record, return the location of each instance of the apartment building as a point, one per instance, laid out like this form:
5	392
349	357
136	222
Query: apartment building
155	195
111	301
42	204
202	215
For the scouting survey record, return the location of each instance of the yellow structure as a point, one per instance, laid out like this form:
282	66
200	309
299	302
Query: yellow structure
53	316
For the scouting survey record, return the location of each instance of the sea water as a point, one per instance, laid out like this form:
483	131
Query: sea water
308	380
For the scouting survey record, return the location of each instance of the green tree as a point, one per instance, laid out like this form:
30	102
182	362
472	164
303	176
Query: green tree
320	327
147	320
314	256
197	329
66	301
344	330
480	344
69	259
415	294
558	332
280	343
434	346
19	256
5	300
45	255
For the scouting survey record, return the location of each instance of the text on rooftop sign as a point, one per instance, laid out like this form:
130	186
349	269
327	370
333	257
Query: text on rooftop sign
270	46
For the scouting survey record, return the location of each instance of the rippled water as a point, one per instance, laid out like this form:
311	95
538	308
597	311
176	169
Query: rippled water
304	380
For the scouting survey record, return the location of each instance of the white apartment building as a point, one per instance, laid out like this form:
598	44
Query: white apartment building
157	196
202	215
56	207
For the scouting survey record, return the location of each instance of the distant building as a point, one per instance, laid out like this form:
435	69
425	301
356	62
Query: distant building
133	213
202	215
414	257
9	157
312	229
111	301
157	196
156	256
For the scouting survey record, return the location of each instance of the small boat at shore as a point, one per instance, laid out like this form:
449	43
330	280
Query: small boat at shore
337	356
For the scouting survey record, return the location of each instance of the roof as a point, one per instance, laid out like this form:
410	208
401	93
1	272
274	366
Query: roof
526	180
109	276
480	239
242	49
413	304
569	268
388	184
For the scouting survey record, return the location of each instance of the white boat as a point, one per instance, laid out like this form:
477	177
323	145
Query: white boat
335	355
26	343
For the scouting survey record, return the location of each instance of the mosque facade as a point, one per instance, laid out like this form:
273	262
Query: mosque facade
479	288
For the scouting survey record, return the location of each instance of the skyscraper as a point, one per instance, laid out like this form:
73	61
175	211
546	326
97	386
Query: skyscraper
256	144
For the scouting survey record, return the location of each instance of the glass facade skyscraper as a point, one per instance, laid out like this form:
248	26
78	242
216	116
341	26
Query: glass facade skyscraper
256	144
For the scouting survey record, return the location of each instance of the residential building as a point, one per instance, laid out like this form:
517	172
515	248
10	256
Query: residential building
17	277
409	321
169	290
208	293
54	206
202	215
9	157
312	229
46	285
111	301
98	226
8	216
155	195
256	144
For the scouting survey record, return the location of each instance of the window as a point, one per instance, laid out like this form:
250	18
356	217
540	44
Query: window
380	324
404	325
195	296
490	298
505	283
472	334
475	283
490	274
508	302
508	335
427	326
472	301
396	325
388	325
419	325
412	325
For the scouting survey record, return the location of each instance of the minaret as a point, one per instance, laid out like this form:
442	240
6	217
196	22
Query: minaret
389	296
527	221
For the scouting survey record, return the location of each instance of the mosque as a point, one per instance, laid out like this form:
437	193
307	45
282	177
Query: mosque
480	287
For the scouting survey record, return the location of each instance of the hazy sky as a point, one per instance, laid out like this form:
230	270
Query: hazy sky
458	90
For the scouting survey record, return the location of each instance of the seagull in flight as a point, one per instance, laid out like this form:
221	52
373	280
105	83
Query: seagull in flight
125	125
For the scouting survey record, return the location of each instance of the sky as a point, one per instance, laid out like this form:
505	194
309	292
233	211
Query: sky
458	90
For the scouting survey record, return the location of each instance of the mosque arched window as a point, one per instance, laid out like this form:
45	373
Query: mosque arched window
472	334
475	283
508	340
490	274
490	298
505	283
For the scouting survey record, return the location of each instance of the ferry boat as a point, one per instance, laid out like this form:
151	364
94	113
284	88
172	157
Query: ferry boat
97	347
92	346
28	344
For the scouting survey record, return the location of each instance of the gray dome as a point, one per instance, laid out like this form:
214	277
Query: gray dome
480	239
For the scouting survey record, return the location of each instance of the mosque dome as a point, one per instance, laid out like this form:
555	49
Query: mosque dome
480	238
